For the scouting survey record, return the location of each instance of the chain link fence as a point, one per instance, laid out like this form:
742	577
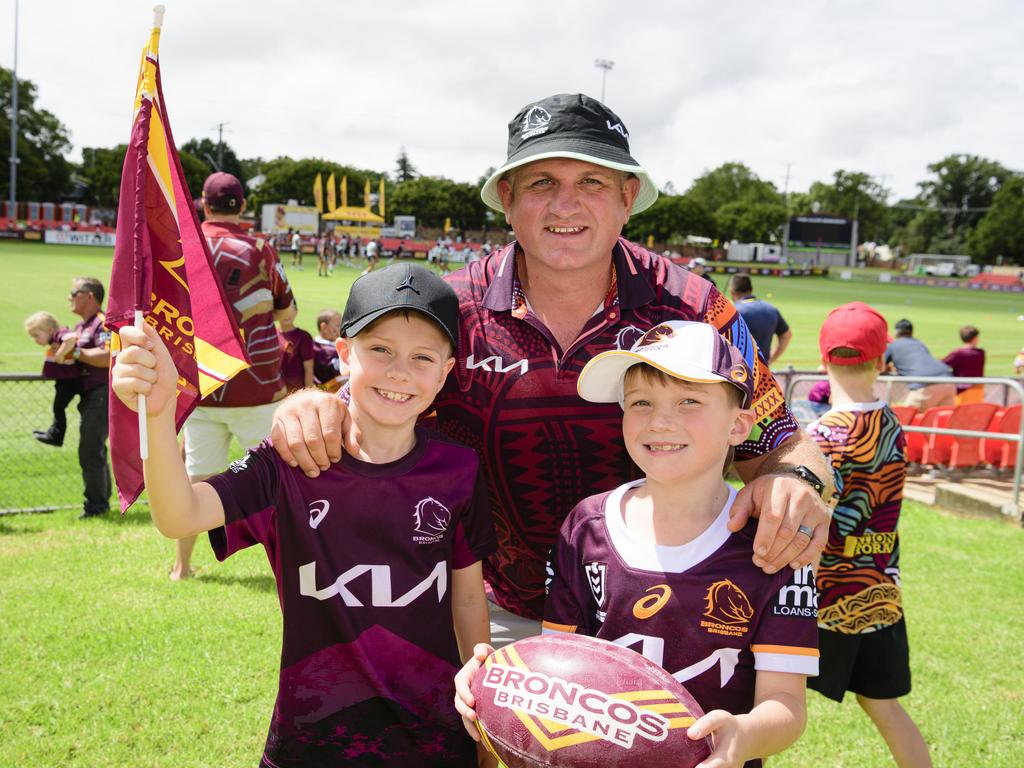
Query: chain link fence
35	477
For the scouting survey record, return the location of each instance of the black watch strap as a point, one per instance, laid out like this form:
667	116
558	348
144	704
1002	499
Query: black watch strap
808	477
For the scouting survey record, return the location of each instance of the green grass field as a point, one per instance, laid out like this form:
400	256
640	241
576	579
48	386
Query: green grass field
106	663
38	277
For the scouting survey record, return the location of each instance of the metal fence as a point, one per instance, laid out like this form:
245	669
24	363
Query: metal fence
1006	391
35	477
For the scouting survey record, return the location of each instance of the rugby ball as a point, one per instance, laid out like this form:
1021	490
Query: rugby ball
578	702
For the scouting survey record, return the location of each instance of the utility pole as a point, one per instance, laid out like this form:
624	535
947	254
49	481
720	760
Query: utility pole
220	145
14	123
785	193
604	65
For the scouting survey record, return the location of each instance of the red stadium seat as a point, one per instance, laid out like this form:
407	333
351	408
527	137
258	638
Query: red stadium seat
955	452
905	413
921	446
1002	453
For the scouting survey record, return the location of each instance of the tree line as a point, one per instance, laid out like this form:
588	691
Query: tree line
967	204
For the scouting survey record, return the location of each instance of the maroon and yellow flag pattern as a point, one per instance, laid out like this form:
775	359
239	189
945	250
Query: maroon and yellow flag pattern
163	268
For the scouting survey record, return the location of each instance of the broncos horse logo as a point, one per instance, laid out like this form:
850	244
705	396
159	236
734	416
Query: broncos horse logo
656	334
431	517
727	604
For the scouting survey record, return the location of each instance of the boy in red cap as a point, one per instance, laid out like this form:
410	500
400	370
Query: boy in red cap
862	633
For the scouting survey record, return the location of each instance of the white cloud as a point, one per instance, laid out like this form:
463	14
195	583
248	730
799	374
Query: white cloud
874	86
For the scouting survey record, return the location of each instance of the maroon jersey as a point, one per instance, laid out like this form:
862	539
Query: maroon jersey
703	610
51	368
92	335
326	363
296	349
362	556
513	398
966	361
254	285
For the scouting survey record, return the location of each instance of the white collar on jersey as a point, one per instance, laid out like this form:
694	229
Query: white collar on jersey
645	556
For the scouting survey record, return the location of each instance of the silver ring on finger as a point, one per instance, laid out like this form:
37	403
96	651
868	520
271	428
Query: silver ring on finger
806	530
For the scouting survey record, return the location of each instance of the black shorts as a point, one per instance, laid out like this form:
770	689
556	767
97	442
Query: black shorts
875	664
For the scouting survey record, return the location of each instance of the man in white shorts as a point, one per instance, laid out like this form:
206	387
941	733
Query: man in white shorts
256	288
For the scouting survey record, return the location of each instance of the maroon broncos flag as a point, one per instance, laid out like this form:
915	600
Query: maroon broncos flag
162	268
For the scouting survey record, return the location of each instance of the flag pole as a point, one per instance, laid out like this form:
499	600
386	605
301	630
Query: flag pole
158	22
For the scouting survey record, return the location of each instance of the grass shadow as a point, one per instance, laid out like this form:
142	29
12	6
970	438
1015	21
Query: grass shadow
261	583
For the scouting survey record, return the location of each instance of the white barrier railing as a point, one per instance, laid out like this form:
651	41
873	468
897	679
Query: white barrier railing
793	377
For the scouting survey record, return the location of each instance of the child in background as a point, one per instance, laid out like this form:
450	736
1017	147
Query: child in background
652	566
862	632
296	353
60	366
329	371
375	559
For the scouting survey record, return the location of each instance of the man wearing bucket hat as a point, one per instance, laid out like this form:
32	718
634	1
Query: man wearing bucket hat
533	313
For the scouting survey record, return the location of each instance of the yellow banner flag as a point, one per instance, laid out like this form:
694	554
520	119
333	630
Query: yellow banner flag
344	191
380	203
332	203
318	193
366	194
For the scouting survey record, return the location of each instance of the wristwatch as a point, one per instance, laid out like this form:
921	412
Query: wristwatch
76	353
808	477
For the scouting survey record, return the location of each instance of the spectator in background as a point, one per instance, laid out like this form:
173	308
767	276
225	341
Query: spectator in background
968	360
296	245
329	373
699	267
820	397
320	243
764	321
58	366
908	356
1018	363
296	352
93	351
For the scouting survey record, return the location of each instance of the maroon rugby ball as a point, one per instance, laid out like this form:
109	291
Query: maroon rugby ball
578	702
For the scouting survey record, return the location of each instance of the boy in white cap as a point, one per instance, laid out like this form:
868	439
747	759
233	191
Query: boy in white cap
652	565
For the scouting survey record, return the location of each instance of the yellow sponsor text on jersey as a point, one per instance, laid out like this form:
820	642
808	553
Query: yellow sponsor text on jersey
869	544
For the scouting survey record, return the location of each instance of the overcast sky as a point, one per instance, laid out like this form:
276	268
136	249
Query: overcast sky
881	87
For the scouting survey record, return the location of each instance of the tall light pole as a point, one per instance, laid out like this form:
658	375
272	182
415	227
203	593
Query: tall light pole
604	65
14	122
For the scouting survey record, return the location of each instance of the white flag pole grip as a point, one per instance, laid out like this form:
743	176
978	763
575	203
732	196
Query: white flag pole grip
158	15
143	430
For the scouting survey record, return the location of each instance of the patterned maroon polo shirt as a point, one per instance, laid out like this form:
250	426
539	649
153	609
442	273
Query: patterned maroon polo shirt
93	335
254	285
512	397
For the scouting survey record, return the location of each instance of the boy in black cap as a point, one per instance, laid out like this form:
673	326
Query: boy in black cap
365	553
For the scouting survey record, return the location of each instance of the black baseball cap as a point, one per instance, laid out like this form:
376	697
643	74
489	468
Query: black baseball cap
574	126
397	288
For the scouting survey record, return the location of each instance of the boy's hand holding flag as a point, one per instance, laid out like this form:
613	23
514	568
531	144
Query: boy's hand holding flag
162	276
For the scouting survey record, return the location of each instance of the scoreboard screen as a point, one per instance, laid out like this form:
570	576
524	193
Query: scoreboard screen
814	231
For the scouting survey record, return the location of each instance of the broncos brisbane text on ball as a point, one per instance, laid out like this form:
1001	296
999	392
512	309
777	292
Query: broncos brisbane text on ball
570	701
